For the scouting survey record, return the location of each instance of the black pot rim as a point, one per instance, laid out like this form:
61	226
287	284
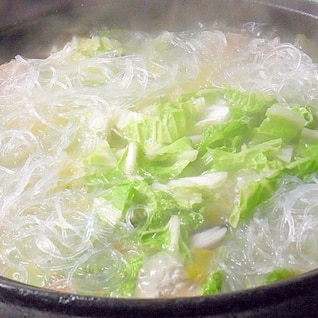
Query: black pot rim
26	296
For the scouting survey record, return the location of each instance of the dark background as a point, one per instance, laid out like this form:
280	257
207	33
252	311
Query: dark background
15	11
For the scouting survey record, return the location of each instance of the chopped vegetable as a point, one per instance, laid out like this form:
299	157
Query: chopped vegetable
279	274
214	283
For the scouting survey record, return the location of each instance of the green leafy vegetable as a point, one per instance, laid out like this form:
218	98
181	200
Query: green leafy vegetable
96	45
166	171
279	274
281	122
214	283
172	121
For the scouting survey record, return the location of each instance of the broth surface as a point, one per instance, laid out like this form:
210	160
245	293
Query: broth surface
120	149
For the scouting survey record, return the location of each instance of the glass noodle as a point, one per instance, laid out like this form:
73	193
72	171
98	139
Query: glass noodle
58	232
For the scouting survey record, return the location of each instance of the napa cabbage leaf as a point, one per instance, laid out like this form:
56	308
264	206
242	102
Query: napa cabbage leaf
165	169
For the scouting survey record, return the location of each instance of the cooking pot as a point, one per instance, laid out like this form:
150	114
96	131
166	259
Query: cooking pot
30	28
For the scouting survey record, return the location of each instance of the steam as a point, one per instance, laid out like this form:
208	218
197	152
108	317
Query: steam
33	30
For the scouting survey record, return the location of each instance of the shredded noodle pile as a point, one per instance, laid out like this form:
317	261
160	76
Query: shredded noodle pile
53	112
282	235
